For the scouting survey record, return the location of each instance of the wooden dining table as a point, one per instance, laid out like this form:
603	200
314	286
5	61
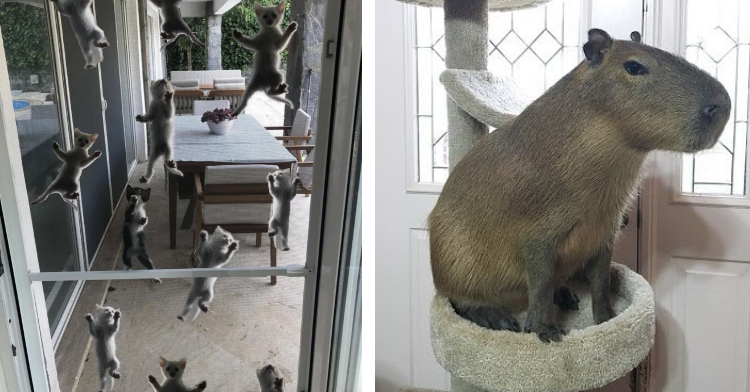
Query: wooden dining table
247	142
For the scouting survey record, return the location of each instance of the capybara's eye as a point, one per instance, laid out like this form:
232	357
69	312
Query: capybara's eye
635	68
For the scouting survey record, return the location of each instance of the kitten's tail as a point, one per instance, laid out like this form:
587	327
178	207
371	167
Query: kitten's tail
251	89
282	99
195	39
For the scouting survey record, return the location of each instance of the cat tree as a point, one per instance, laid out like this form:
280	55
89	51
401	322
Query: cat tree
479	359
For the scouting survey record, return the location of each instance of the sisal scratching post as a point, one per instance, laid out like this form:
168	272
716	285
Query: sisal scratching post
465	48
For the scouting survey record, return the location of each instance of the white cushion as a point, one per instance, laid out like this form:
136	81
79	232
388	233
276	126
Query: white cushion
187	88
238	174
186	83
255	213
230	86
301	124
229	80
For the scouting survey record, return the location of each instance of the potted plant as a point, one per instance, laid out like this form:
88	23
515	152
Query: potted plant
219	120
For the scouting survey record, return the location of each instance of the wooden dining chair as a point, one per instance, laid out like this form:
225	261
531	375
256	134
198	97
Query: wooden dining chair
200	107
183	100
299	133
235	197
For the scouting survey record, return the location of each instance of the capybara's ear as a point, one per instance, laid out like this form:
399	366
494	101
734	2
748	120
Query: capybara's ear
635	36
599	43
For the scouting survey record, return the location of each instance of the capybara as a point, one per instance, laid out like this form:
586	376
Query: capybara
542	197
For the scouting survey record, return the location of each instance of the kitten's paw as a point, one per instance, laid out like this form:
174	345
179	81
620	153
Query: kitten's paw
75	195
140	118
203	384
285	249
180	318
117	314
204	307
292	26
172	164
152	380
143	180
101	44
297	180
55	146
115	374
89	317
271	233
234	245
236	34
270	177
168	95
157	280
143	220
97	153
204	235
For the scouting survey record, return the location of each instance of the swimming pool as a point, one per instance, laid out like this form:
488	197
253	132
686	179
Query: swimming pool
18	105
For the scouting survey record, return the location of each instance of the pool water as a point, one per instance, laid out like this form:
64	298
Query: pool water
18	105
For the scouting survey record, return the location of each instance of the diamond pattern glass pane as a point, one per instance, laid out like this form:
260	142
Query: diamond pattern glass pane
535	47
717	42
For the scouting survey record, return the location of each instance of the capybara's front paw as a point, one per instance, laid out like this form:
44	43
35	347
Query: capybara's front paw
566	299
97	154
546	332
234	245
603	313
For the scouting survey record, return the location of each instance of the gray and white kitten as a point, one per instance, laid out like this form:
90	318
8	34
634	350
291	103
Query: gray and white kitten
172	371
90	37
161	116
283	190
104	328
213	253
172	25
74	161
267	45
270	378
133	234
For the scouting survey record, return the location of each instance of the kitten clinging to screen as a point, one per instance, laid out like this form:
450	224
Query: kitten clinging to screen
172	25
267	44
283	190
270	378
133	234
90	37
213	253
161	116
103	328
173	371
74	161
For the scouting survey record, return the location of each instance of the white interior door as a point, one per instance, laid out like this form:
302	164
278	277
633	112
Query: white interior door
412	154
696	214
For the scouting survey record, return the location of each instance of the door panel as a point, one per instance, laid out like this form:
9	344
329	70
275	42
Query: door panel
85	107
112	89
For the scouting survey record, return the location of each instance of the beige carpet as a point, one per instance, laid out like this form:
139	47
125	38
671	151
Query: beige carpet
250	322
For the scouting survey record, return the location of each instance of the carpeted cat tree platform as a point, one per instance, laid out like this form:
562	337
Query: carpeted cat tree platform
483	360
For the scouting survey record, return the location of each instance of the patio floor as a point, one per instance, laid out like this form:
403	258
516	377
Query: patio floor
250	323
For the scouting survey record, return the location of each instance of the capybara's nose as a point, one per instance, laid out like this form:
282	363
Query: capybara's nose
715	111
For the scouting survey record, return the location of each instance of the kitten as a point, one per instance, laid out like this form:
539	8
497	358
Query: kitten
161	116
172	25
90	37
104	328
270	378
74	161
133	235
267	44
213	253
283	190
172	371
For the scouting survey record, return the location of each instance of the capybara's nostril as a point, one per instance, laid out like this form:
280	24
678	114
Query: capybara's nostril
713	111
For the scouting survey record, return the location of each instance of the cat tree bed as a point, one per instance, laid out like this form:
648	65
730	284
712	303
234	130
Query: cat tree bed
588	356
490	99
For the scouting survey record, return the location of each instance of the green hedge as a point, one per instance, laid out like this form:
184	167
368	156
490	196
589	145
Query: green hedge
24	27
233	55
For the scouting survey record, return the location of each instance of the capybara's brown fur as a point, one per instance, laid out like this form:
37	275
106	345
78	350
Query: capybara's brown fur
542	197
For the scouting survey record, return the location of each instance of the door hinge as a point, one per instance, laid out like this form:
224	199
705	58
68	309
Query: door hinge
330	48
